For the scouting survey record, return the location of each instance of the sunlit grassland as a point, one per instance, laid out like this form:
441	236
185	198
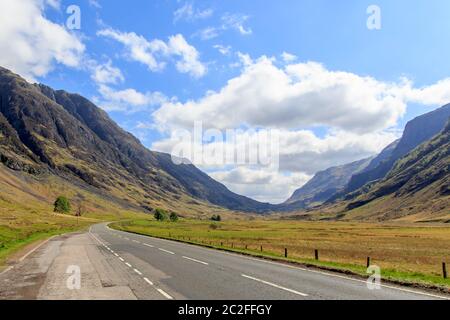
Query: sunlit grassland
411	253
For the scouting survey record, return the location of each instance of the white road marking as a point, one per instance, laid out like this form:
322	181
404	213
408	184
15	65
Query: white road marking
116	254
6	270
136	241
167	251
40	245
148	245
148	281
121	259
276	286
164	294
138	272
195	260
128	264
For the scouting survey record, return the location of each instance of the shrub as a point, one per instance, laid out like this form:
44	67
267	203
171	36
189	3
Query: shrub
173	217
216	218
62	205
160	215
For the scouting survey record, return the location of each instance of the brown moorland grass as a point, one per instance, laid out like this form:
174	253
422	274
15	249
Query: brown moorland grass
407	252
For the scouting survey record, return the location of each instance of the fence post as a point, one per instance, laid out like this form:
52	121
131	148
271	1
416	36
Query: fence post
285	253
246	247
261	249
316	254
221	244
444	270
368	262
232	245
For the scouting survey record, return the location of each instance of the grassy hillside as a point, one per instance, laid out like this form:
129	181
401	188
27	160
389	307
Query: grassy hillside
26	210
404	252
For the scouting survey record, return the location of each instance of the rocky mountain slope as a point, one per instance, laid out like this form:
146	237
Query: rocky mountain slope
43	131
325	184
416	132
418	183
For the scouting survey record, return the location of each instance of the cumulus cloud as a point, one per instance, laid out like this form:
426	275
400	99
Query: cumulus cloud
155	53
127	100
303	94
225	50
30	44
261	185
106	73
288	57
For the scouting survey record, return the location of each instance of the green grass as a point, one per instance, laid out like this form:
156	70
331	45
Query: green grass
407	253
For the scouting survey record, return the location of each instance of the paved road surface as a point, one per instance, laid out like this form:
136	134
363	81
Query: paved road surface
119	265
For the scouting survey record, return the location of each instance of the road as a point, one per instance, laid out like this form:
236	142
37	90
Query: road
118	265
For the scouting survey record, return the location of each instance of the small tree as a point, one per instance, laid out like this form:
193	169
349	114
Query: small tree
80	209
173	217
62	205
217	218
160	215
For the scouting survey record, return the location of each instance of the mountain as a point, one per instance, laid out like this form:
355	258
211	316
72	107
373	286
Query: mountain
418	184
325	184
53	132
416	132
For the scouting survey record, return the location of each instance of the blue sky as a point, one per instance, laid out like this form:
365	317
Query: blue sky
412	43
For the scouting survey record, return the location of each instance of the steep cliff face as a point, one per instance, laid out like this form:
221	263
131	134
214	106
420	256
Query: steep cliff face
420	181
43	130
325	184
416	132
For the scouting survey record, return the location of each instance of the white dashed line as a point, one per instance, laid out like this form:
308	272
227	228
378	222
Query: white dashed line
116	254
129	265
136	241
148	281
148	245
121	259
276	286
195	260
167	251
138	272
164	294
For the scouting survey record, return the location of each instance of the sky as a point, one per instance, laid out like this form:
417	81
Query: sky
332	81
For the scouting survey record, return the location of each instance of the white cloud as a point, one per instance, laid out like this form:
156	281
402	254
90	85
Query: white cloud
149	52
303	94
107	74
208	33
261	185
225	50
288	57
187	12
236	22
127	100
228	21
30	44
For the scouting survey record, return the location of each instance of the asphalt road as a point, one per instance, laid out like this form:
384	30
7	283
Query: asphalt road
119	265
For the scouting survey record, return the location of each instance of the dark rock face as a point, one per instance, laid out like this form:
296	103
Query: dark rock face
416	132
325	184
43	129
424	166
